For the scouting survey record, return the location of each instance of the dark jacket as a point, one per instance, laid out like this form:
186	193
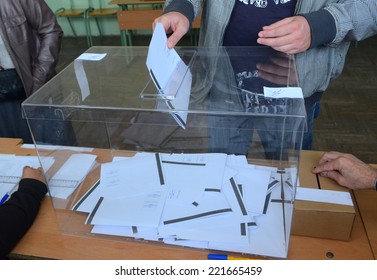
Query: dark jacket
19	212
32	36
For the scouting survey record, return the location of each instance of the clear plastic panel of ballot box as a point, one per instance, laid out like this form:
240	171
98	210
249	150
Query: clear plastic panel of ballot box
209	161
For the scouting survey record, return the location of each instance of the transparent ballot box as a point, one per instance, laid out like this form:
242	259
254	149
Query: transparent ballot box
207	160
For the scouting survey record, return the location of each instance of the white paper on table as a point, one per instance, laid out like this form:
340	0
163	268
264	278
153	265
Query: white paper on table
142	210
133	176
11	167
91	56
254	185
218	228
64	182
88	201
201	171
268	239
181	208
128	231
236	160
326	196
234	197
5	187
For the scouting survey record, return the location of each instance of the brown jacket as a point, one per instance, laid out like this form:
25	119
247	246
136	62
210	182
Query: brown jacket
32	37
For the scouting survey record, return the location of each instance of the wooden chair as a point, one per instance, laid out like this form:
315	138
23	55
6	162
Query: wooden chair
135	20
72	12
96	13
142	20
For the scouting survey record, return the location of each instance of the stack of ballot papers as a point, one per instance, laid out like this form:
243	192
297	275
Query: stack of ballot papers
11	167
212	201
61	185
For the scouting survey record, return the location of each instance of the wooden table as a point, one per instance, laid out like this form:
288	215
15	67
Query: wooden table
45	240
367	204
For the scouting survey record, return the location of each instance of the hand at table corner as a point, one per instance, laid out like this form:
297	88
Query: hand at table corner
346	170
33	173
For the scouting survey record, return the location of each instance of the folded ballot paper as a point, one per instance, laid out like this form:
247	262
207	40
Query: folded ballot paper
170	75
211	201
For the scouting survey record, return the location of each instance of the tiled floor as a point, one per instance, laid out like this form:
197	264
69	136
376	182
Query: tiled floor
348	118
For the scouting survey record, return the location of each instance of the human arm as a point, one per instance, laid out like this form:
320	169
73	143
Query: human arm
177	18
49	34
19	212
330	25
347	170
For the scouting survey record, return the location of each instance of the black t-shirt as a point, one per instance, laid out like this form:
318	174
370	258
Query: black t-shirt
247	19
249	16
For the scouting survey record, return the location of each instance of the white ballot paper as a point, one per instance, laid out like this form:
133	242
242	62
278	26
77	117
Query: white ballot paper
171	76
161	61
205	200
142	210
70	175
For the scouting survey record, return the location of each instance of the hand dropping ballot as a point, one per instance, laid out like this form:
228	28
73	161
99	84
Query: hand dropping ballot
171	76
161	61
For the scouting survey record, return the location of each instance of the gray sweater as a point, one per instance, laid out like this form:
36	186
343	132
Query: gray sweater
334	24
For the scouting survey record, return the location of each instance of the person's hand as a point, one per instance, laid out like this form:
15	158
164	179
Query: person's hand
175	24
33	173
291	35
346	170
279	69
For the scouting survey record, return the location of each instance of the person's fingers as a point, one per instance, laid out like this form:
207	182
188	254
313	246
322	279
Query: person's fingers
334	175
175	37
273	78
277	24
282	60
272	69
278	31
326	166
328	156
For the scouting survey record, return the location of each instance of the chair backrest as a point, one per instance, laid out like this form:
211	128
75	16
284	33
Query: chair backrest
137	19
143	19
